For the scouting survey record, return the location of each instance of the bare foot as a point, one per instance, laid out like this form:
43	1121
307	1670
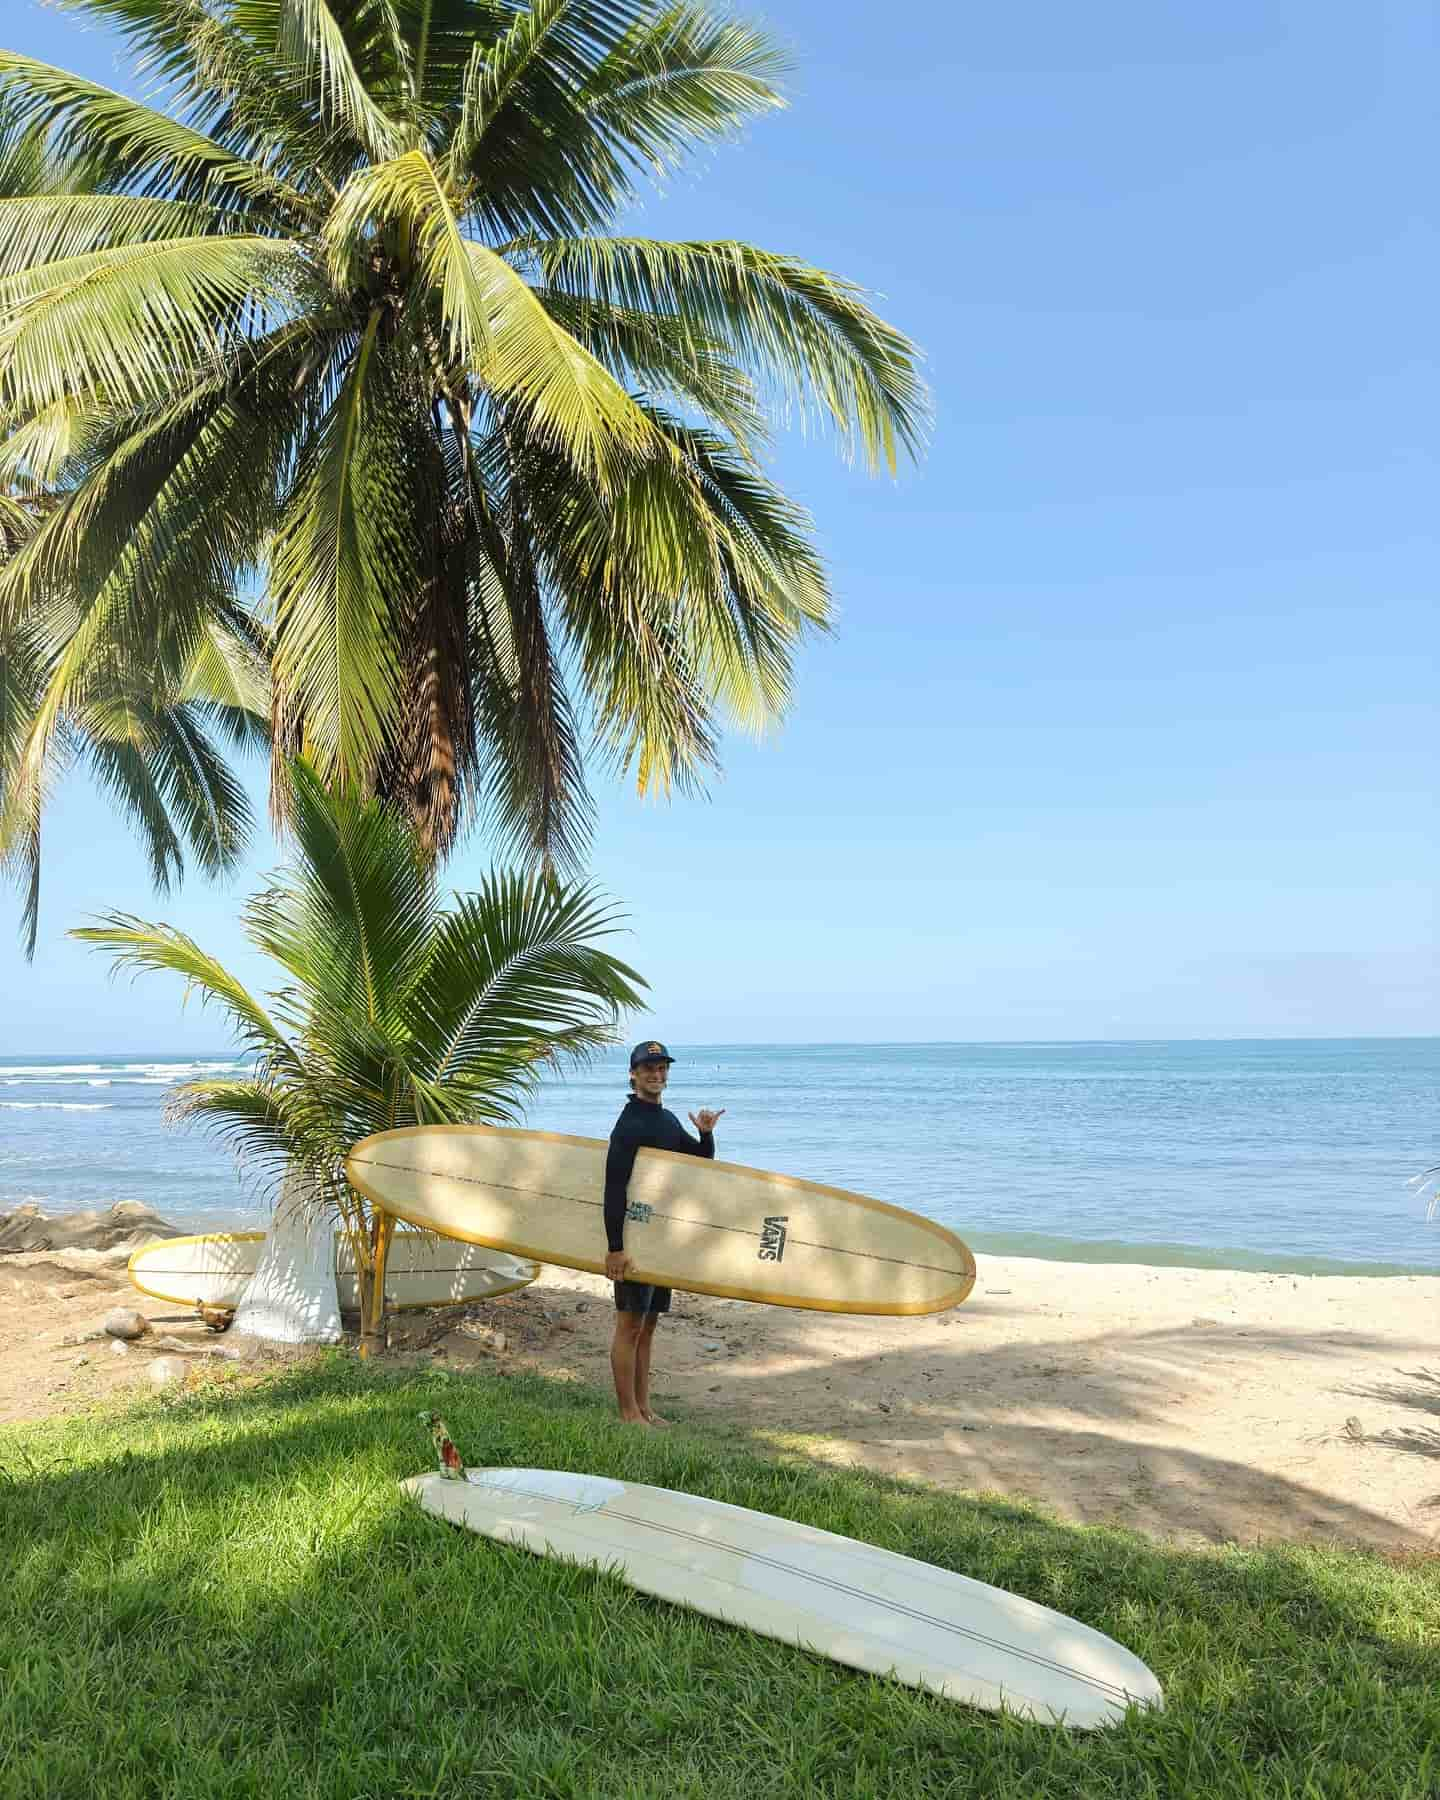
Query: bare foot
654	1418
635	1418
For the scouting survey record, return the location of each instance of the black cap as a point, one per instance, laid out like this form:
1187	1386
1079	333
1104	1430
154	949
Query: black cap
650	1052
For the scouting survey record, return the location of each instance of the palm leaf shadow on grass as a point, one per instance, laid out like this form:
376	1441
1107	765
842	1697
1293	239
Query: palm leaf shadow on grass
234	1577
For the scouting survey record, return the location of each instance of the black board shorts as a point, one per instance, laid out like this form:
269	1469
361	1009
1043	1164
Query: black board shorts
641	1297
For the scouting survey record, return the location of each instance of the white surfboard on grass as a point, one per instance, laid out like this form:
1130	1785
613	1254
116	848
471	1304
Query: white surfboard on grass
870	1608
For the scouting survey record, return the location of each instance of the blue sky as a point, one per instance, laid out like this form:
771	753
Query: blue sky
1128	727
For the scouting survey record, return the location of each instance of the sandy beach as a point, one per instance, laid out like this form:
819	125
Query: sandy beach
1196	1405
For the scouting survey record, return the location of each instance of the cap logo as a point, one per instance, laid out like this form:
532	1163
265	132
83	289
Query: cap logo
653	1047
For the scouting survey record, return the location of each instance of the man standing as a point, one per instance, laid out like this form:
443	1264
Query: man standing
644	1124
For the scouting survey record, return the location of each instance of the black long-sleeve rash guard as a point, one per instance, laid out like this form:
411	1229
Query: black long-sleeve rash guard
643	1125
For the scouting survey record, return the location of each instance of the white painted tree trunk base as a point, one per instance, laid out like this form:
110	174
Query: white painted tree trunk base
291	1297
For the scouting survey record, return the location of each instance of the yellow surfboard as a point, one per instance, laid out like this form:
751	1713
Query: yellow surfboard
706	1227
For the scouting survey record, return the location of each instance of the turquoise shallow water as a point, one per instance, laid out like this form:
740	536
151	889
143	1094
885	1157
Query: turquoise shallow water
1279	1155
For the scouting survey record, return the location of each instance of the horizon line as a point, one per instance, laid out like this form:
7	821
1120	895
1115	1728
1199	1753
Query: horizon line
229	1053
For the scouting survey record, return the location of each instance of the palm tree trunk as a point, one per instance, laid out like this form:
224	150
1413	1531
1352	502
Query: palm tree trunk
372	1287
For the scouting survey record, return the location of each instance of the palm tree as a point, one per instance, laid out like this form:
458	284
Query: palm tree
347	323
394	1011
150	732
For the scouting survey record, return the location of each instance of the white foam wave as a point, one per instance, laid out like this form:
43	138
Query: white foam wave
103	1074
167	1069
61	1081
53	1068
57	1105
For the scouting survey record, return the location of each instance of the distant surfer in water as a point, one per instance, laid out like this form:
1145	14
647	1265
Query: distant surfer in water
643	1124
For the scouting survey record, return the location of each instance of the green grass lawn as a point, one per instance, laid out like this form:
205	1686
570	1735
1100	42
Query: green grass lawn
225	1594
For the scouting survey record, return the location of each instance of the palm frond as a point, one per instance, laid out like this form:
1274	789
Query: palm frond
344	551
139	948
682	75
256	1118
222	72
200	791
26	787
570	398
559	116
533	789
171	507
495	327
809	333
312	40
695	583
406	194
139	322
37	451
228	682
50	228
666	360
357	912
513	963
126	142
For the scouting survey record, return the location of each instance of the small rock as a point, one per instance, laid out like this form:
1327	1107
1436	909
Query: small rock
80	1361
883	1407
118	1349
1353	1428
969	1427
716	1388
499	1343
166	1371
125	1322
563	1325
439	1350
582	1306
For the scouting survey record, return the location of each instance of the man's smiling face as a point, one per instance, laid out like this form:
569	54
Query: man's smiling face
650	1079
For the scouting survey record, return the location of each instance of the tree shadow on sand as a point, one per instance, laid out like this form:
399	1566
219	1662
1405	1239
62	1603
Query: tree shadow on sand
1419	1390
974	1411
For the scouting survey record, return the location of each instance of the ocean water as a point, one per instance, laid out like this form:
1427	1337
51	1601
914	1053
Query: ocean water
1265	1154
